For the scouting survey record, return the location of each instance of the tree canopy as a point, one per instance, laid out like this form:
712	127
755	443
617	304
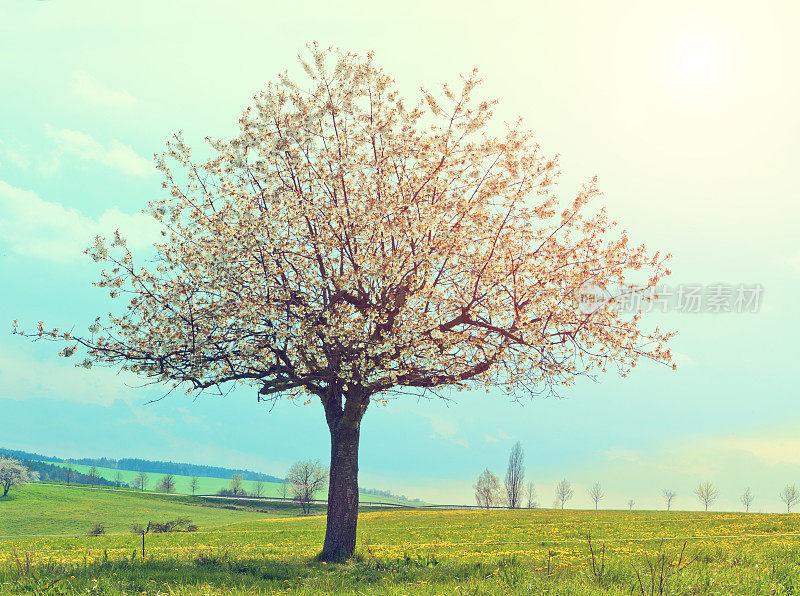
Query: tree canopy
343	237
14	473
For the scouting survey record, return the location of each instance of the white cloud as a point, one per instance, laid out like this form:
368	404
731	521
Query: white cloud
50	166
500	436
148	417
116	155
22	378
14	156
621	453
771	450
87	88
682	359
447	428
49	230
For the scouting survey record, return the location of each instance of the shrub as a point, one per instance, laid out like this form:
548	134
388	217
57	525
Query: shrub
227	492
97	529
179	524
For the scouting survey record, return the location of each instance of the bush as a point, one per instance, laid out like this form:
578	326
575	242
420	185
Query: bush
227	492
180	524
158	528
97	530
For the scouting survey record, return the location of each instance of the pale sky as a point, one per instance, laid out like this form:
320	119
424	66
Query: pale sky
687	114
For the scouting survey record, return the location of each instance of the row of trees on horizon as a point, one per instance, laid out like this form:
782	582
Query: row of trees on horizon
307	479
304	483
514	493
145	465
163	476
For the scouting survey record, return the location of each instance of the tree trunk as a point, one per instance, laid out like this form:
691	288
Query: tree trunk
345	427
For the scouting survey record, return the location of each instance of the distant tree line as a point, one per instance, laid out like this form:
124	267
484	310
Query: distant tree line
55	473
306	482
148	466
163	473
389	494
183	469
490	492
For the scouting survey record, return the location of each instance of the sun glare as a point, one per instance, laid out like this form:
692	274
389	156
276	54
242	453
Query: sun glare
696	61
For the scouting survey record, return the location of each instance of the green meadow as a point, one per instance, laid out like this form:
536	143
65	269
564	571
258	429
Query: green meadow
270	548
42	509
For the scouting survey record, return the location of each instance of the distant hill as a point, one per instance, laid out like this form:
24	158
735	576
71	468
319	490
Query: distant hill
54	472
146	465
54	469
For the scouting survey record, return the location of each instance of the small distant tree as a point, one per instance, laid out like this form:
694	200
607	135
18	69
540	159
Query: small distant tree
167	484
669	496
487	489
596	494
564	492
258	488
747	499
515	476
790	496
236	485
707	494
118	479
285	490
68	472
631	503
93	476
141	480
305	479
532	503
194	482
14	473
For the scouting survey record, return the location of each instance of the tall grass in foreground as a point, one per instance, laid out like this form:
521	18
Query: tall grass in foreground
674	569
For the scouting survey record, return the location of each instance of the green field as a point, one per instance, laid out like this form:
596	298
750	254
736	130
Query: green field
42	509
209	486
400	551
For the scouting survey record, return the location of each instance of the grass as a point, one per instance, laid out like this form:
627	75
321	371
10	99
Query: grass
41	509
412	551
207	485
